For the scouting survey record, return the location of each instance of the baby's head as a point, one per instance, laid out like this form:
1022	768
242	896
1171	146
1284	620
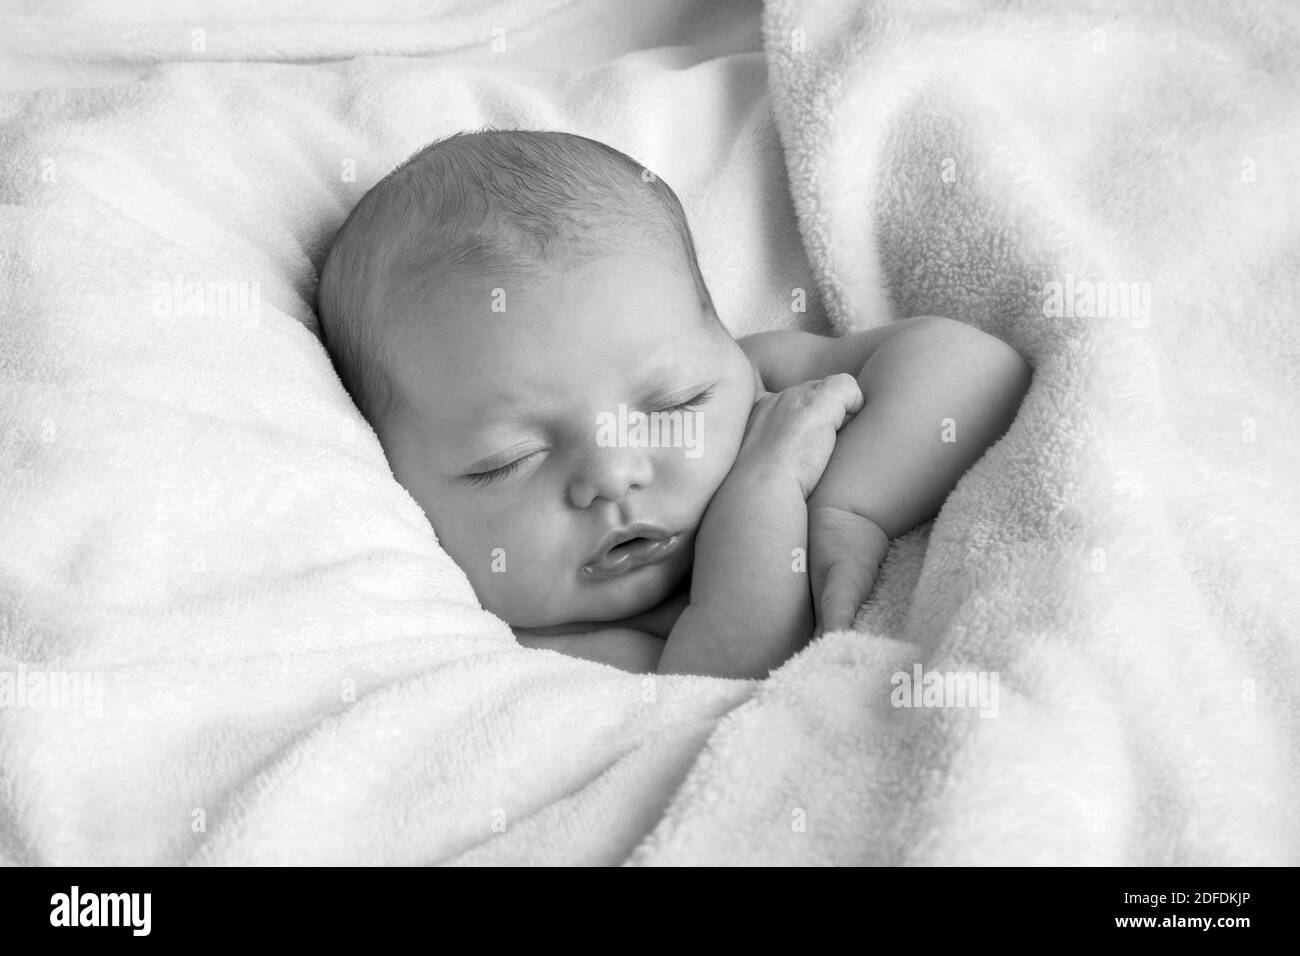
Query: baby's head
490	305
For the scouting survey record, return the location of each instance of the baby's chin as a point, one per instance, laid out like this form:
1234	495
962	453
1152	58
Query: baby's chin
634	596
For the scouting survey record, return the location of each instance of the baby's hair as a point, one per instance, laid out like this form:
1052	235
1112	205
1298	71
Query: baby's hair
517	203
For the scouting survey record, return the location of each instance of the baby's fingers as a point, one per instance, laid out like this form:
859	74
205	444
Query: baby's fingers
843	394
842	590
844	552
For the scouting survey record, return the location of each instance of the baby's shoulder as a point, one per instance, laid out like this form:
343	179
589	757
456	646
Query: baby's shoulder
789	357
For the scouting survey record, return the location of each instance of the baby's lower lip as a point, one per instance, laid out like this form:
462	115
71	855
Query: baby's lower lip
633	555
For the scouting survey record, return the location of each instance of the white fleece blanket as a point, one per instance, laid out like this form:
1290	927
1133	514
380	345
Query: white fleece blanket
1111	188
236	640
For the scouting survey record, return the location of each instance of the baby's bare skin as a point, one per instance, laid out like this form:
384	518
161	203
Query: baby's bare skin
749	545
499	446
981	380
521	390
503	295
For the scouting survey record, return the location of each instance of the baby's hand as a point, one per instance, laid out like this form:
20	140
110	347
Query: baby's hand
844	552
792	432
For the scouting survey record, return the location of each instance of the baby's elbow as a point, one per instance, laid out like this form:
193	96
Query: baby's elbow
1015	369
1003	372
997	359
1009	375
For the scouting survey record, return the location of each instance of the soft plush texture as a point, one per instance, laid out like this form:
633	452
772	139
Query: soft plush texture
294	671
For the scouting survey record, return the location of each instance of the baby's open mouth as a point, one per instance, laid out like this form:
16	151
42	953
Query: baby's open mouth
631	553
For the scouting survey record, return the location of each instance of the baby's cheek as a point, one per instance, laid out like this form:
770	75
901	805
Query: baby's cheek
523	581
496	554
520	549
497	571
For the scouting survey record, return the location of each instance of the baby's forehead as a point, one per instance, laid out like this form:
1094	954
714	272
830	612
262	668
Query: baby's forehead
489	335
498	390
493	375
625	292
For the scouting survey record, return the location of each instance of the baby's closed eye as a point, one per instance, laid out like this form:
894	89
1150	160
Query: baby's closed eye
481	478
488	475
694	402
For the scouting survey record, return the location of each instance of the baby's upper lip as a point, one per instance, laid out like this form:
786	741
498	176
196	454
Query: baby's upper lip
639	530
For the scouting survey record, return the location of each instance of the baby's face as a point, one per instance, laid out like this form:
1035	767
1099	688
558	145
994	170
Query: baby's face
512	442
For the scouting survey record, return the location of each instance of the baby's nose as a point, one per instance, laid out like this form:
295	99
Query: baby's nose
610	473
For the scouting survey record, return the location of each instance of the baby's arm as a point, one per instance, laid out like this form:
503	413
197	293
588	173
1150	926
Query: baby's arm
749	608
938	393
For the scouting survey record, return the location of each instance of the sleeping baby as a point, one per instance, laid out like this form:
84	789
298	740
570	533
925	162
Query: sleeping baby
521	318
